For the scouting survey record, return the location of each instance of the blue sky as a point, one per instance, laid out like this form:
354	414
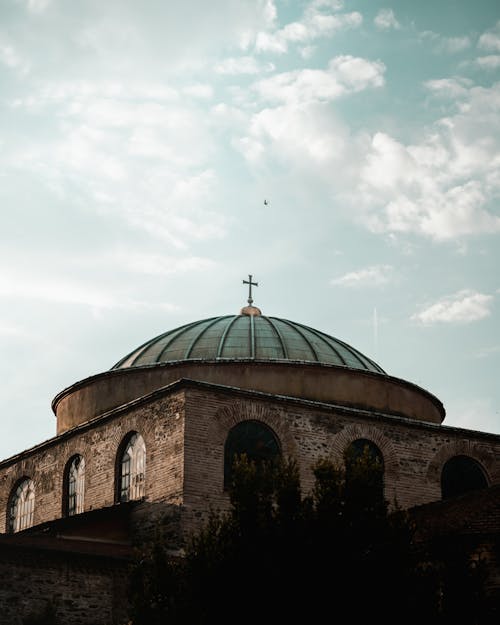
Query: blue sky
138	142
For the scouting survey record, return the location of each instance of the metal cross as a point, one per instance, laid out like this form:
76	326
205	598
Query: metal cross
250	284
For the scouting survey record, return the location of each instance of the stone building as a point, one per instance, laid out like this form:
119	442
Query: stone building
152	440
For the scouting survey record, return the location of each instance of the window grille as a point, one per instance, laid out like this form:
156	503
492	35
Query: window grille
133	469
22	506
76	486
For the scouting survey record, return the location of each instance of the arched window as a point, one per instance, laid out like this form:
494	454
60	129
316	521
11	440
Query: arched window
74	485
252	438
132	468
364	459
460	475
22	506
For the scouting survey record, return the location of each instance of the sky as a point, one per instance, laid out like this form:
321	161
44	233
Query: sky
139	140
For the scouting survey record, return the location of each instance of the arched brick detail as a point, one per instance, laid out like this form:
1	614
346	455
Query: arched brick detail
229	416
461	448
355	431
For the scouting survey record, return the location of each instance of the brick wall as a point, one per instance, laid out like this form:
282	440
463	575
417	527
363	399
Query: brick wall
414	453
159	421
185	429
84	590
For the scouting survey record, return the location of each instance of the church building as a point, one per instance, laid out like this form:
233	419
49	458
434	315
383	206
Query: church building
150	443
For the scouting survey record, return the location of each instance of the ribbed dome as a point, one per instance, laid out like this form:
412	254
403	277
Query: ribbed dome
243	337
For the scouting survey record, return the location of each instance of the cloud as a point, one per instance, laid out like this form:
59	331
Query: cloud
449	87
199	90
242	65
385	20
77	291
154	264
447	45
442	215
462	307
307	52
375	275
36	6
345	74
489	62
455	44
318	21
142	154
304	137
443	186
12	59
59	291
490	40
163	40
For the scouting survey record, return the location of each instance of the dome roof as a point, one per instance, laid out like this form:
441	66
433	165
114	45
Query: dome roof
247	336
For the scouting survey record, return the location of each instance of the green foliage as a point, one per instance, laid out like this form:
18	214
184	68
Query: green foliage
336	556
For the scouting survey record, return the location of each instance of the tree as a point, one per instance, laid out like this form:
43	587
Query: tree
338	555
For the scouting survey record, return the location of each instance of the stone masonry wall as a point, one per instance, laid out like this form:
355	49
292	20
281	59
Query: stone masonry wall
159	421
185	430
84	590
414	453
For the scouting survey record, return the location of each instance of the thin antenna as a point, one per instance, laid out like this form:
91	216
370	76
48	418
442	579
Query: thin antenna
375	332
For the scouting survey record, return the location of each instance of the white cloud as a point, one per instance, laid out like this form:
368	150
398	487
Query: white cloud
268	42
144	158
202	91
442	215
306	85
490	62
12	59
80	291
159	264
490	40
59	291
225	115
36	6
166	39
242	65
385	20
318	20
443	186
449	87
345	74
455	44
462	307
302	136
448	45
357	73
375	275
307	52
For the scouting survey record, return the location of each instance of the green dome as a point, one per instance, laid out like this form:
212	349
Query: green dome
247	337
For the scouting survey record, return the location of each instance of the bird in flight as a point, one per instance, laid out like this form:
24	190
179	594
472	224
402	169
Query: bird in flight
266	202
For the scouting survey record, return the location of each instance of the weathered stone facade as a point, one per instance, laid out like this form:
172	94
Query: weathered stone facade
81	588
160	421
185	427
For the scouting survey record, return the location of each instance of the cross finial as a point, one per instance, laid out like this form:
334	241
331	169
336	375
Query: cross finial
250	285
